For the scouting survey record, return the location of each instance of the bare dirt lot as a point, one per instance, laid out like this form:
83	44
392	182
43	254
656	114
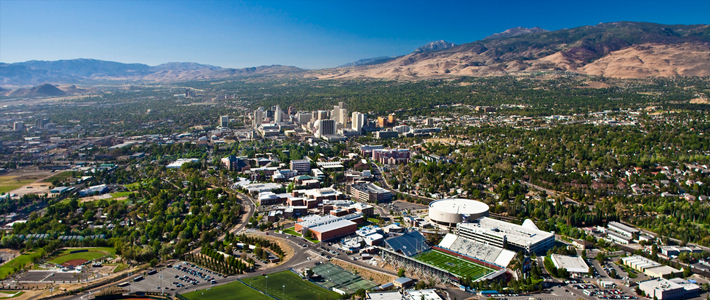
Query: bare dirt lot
25	181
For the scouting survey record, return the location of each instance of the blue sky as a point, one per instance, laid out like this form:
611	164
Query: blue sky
307	34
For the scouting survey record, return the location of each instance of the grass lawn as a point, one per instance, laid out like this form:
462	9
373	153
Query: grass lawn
12	293
9	183
92	254
234	290
296	288
453	264
9	267
120	268
121	194
60	177
294	233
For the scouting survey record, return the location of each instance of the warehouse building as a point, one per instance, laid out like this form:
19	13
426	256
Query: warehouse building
573	264
507	235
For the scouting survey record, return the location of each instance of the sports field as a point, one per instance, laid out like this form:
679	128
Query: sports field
295	287
234	290
91	254
453	264
17	263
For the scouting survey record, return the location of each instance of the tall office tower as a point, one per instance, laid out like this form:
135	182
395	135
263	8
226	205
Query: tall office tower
325	127
321	115
303	117
278	115
340	113
359	121
18	126
258	117
41	122
224	121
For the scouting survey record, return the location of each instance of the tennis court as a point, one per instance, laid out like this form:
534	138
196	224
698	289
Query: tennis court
335	276
453	264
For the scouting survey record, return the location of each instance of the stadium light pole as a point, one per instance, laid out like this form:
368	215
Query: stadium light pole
267	284
283	291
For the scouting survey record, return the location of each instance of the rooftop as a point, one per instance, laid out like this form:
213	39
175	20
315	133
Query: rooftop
521	235
623	227
339	223
573	264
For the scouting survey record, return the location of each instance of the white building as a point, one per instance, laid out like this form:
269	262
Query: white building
178	163
507	235
429	294
623	229
258	117
573	264
224	121
664	289
302	166
358	122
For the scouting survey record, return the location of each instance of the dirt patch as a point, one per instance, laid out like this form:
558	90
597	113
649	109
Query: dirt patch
699	101
33	188
74	262
595	85
374	276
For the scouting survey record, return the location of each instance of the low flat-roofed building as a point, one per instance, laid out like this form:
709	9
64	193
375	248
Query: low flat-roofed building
573	264
617	238
666	272
403	282
639	263
675	250
329	231
623	229
429	294
384	296
368	192
664	289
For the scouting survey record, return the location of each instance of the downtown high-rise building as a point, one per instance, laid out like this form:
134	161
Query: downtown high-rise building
358	121
258	117
224	121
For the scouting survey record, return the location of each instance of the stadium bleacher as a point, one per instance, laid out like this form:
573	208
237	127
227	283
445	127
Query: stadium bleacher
477	250
409	244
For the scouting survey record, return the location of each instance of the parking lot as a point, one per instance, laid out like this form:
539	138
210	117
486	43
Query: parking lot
174	279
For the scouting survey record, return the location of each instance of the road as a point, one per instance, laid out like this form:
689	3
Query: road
548	191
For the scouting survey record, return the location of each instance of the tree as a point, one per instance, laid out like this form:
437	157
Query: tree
307	233
400	273
600	257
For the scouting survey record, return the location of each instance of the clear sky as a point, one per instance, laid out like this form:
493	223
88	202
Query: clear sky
306	34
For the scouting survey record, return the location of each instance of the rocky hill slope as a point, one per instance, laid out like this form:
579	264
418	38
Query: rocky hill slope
620	49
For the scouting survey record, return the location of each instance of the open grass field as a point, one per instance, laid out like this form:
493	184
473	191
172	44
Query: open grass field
234	290
120	194
295	287
92	254
9	267
453	264
9	183
60	177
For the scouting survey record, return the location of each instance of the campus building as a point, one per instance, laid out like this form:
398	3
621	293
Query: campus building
664	289
506	235
368	192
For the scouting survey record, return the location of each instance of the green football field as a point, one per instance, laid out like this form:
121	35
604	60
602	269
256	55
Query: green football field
289	286
453	264
233	290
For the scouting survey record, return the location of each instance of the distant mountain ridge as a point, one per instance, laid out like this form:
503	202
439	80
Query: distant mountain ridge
516	31
88	71
434	46
618	50
368	61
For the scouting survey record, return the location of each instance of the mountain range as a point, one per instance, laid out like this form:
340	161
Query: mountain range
619	49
